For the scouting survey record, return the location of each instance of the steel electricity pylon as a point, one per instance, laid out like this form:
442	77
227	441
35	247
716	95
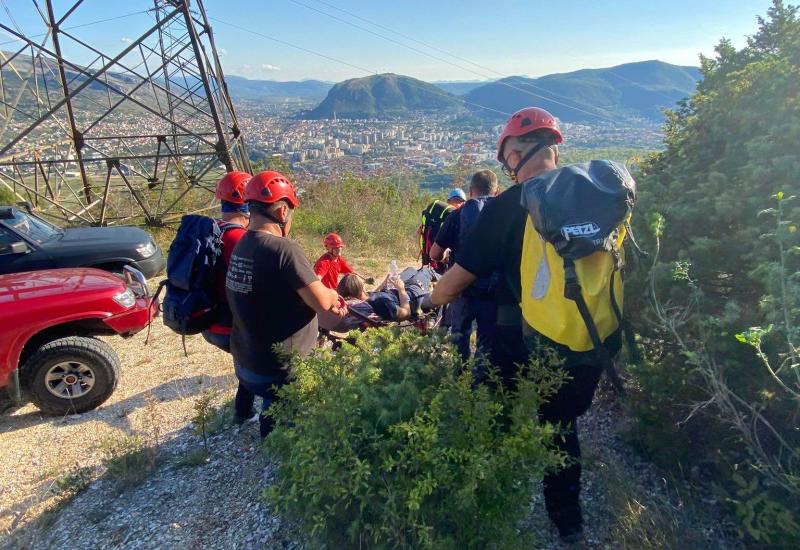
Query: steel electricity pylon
138	135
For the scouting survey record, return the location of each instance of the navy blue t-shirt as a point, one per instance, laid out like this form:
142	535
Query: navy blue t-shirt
386	302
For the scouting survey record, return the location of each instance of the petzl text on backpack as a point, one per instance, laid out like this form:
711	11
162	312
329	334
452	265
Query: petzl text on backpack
577	217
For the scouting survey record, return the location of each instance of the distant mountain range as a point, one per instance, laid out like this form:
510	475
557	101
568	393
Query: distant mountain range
632	90
382	95
459	87
269	90
629	92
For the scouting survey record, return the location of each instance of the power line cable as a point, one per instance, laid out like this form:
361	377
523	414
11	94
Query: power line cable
596	113
11	17
432	90
115	18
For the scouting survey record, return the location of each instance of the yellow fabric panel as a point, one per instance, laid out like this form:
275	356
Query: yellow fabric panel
544	306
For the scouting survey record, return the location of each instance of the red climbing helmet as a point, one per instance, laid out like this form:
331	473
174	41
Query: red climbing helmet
231	187
526	121
333	240
270	186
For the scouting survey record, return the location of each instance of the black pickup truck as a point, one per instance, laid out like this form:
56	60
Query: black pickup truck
28	243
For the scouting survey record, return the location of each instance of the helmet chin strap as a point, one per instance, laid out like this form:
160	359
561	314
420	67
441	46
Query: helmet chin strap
276	221
512	172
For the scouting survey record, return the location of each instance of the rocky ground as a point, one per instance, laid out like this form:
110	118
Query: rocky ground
216	503
55	491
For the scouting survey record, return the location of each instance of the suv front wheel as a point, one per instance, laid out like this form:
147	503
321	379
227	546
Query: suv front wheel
71	375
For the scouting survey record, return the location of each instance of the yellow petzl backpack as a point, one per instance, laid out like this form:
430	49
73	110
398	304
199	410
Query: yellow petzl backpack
572	254
549	312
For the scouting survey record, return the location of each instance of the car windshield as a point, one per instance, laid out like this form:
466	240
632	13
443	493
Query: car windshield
32	227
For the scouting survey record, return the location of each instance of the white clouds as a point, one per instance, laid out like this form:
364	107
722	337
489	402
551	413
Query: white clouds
222	52
262	71
126	40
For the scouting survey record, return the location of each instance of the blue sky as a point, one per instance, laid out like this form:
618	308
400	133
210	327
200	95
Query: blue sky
504	37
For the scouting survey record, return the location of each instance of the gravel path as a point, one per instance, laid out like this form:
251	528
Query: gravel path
214	505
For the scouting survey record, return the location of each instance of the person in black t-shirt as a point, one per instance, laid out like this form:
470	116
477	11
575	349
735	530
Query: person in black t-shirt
528	148
273	293
476	303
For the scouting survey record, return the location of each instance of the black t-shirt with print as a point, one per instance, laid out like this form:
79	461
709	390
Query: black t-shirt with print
264	275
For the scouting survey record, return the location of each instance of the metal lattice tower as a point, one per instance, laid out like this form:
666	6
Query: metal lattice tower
136	136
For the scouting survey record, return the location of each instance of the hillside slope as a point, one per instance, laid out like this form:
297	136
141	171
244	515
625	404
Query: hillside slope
632	90
382	95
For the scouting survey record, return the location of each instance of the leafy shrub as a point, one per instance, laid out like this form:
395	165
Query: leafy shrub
709	407
385	445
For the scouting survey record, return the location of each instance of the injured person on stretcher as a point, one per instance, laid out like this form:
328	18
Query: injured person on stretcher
394	300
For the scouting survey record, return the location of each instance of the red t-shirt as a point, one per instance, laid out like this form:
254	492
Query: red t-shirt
328	268
230	238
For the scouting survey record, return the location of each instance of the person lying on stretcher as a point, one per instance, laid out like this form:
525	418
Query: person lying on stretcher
394	300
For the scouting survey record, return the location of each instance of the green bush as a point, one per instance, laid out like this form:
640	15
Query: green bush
709	407
385	445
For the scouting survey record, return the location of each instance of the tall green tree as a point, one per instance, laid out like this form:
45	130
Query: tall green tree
731	150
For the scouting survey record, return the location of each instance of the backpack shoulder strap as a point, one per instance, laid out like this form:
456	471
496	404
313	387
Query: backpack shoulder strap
225	226
572	291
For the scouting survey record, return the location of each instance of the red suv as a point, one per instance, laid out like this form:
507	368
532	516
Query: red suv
49	320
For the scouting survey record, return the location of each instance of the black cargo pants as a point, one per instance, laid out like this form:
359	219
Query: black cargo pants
561	488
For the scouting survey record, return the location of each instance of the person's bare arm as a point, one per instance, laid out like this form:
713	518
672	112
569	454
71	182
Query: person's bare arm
321	298
383	284
453	283
437	252
404	310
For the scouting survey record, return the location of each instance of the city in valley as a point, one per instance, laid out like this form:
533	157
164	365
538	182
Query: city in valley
426	144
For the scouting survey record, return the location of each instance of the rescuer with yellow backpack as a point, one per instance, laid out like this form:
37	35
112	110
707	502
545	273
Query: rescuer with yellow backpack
555	239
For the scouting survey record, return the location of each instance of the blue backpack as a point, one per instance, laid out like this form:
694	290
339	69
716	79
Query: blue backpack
190	303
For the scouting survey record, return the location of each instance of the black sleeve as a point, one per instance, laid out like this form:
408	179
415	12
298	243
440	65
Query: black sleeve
448	233
487	245
294	266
